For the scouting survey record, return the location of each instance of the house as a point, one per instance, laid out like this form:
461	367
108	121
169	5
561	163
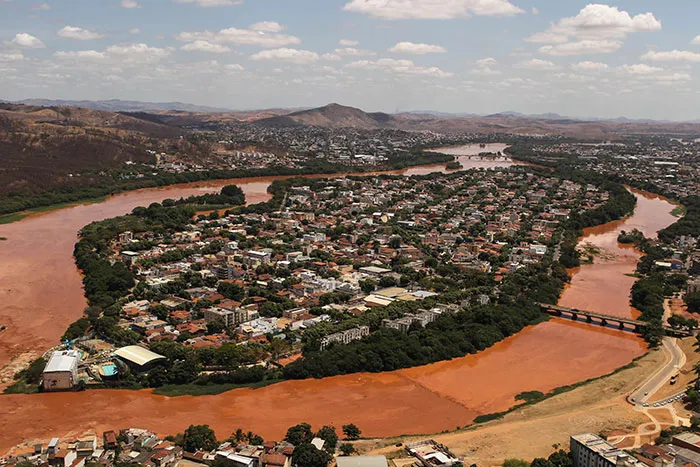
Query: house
274	459
110	440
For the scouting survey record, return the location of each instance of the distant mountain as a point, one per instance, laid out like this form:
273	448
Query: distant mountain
118	105
330	116
433	113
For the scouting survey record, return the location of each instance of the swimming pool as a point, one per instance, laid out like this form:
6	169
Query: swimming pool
109	369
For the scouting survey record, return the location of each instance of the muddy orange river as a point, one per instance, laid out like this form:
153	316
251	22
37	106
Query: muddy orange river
40	294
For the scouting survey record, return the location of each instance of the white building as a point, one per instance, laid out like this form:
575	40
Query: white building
345	337
62	370
590	450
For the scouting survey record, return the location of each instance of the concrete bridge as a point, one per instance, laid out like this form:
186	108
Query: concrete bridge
626	324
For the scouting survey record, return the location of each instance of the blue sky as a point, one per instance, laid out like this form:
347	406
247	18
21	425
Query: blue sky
634	58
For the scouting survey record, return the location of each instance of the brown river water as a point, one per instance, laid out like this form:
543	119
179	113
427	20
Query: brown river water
41	294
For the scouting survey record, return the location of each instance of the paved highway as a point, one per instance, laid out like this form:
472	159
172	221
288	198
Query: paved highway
676	360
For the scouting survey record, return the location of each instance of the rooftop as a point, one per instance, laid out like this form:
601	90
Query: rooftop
65	360
138	355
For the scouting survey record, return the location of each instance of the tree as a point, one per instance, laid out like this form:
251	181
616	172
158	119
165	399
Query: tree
299	434
351	431
387	281
216	326
561	458
540	462
347	449
368	285
306	455
693	302
231	291
395	243
328	434
199	438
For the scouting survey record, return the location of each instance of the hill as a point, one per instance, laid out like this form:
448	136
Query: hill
330	116
43	147
118	105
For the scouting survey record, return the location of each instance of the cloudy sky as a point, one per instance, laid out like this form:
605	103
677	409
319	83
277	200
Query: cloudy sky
633	58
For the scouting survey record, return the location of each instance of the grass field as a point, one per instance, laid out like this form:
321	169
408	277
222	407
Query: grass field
9	218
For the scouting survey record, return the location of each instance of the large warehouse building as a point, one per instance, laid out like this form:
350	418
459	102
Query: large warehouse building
137	357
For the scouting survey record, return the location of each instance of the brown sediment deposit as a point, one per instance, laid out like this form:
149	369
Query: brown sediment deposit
40	294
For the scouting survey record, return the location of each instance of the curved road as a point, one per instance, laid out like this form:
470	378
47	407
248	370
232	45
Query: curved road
673	365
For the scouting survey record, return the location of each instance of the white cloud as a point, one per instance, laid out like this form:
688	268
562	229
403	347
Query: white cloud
536	64
79	55
331	56
234	67
74	32
672	56
352	52
696	41
484	62
597	28
432	9
641	69
597	21
287	55
402	67
583	47
417	49
589	66
249	36
268	26
211	3
205	46
485	71
547	38
129	4
11	56
27	41
349	43
42	7
672	77
117	54
134	31
484	67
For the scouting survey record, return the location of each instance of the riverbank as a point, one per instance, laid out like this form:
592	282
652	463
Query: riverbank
18	216
597	407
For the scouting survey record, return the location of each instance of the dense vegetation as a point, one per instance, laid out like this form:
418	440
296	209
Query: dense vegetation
450	336
635	237
688	224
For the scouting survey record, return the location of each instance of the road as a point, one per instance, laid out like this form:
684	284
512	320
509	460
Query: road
675	362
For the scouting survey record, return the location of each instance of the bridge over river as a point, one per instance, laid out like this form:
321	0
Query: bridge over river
626	324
